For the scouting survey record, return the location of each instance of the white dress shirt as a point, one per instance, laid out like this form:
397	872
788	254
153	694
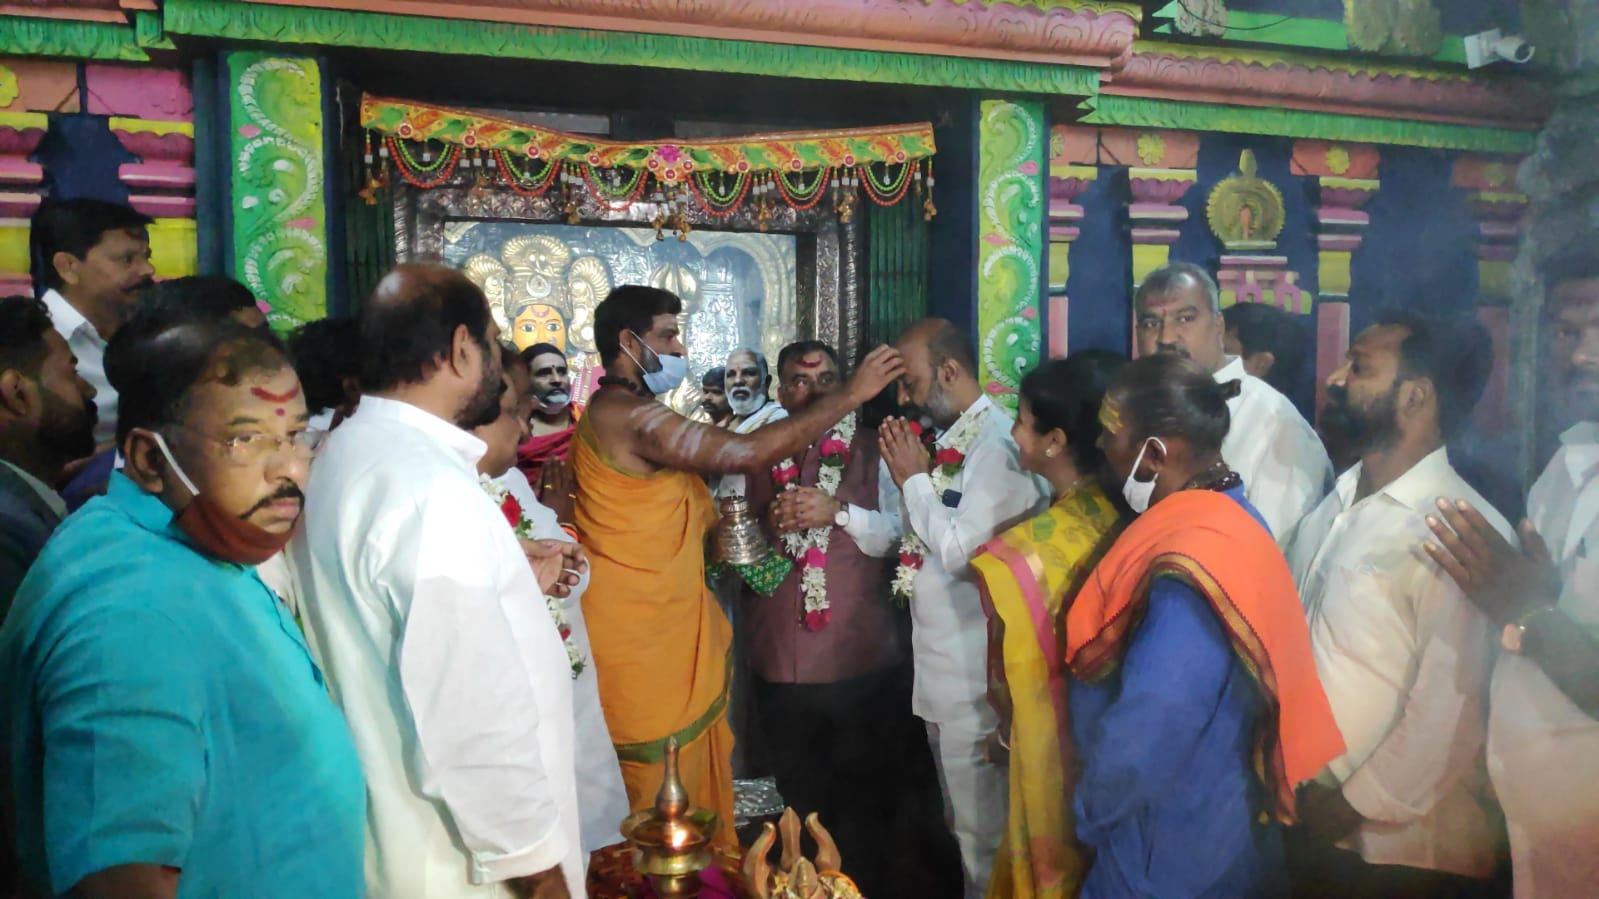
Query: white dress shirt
949	633
1403	656
86	344
1543	751
437	644
1277	453
601	797
733	484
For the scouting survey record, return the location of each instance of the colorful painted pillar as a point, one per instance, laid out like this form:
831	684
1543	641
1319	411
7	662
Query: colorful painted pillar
277	189
1010	243
1067	181
1346	175
1499	209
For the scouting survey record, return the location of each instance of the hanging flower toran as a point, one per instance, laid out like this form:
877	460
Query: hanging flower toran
523	526
809	547
947	463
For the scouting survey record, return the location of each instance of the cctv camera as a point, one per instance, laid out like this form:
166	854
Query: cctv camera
1493	46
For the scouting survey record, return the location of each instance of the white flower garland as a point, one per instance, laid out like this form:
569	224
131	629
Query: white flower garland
809	547
912	551
523	526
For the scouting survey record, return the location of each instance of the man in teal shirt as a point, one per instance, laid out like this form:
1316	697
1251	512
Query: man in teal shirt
168	732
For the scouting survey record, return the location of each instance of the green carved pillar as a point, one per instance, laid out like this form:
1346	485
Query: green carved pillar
277	196
1011	199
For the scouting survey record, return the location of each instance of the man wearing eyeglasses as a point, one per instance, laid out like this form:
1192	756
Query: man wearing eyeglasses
169	730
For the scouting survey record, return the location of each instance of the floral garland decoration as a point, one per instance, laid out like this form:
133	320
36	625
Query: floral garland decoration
519	522
947	463
809	547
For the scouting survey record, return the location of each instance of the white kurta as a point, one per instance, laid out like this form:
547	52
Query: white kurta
949	635
733	484
601	797
89	348
438	646
1404	657
1543	751
1277	453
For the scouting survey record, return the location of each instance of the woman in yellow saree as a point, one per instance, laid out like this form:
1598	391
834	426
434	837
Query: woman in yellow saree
1028	577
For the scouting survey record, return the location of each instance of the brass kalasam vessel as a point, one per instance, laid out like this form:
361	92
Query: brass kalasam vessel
671	842
739	540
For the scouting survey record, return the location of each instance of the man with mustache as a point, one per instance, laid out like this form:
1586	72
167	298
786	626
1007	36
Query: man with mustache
1271	446
170	733
714	405
542	456
748	384
980	491
91	260
1543	727
47	418
426	611
1402	654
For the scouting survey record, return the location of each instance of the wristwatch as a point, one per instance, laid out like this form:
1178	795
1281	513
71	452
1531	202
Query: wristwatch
1514	636
841	517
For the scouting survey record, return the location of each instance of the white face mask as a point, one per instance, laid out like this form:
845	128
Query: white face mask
1136	492
669	372
555	400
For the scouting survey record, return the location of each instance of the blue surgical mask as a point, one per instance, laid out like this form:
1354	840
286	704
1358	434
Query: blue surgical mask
669	370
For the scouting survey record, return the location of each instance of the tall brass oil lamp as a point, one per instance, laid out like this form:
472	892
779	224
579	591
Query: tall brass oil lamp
672	841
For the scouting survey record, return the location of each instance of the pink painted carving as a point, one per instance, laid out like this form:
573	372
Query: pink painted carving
18	171
159	177
1159	191
175	148
140	92
938	27
163	207
1479	100
20	141
1346	197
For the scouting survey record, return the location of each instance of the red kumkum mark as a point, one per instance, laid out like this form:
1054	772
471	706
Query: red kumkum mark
809	362
271	397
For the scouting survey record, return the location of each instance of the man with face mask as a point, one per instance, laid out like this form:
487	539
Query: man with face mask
173	734
1271	446
429	616
551	424
660	639
47	418
956	497
1402	653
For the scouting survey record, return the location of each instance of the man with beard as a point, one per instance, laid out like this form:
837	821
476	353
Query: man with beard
601	800
1543	727
169	732
91	261
424	608
46	421
1402	654
1270	445
972	488
831	690
748	384
542	456
714	405
660	641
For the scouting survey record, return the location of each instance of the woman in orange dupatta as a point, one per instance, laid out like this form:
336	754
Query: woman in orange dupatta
1196	706
1027	575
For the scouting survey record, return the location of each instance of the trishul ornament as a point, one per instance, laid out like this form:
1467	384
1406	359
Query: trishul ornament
797	877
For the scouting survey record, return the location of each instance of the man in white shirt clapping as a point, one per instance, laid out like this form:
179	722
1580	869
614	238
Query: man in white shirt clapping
1402	654
427	616
955	498
1271	446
